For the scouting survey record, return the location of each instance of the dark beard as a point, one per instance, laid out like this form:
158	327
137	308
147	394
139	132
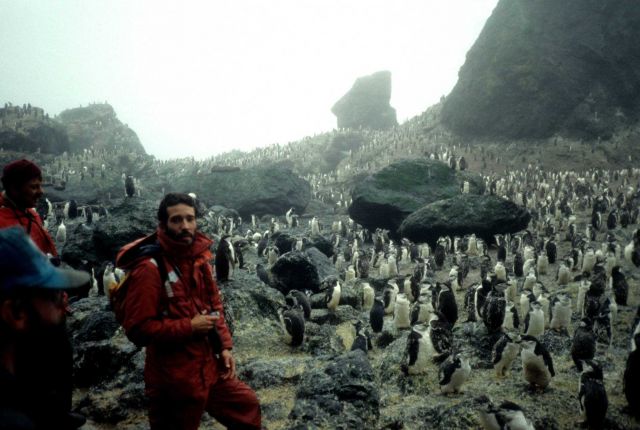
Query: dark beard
178	237
44	366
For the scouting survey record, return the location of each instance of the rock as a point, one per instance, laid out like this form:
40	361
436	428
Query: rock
248	298
98	127
283	241
484	215
258	191
343	394
98	361
44	136
366	104
294	270
270	373
341	315
541	68
323	244
131	219
386	198
96	326
322	263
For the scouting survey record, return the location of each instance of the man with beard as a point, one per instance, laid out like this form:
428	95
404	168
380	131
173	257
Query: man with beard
22	182
31	315
189	367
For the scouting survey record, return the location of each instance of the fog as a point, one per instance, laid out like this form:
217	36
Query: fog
201	78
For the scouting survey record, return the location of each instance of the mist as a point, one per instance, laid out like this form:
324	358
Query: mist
203	78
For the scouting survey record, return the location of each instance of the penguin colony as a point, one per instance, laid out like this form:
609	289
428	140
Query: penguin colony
564	279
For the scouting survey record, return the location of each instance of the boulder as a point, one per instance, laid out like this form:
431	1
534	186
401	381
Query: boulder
295	271
342	394
386	198
484	215
129	220
322	263
546	67
366	104
258	191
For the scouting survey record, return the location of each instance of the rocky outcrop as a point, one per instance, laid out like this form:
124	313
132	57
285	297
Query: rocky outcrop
44	136
484	215
341	395
545	67
97	126
260	191
295	271
366	104
386	198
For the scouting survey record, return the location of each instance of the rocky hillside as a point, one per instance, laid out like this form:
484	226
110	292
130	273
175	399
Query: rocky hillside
30	130
548	67
97	126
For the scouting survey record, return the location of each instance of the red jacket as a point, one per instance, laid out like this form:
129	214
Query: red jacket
178	363
29	219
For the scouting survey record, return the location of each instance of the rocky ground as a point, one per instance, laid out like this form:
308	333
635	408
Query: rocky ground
322	385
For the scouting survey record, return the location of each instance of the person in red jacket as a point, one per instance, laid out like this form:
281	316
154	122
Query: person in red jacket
189	366
22	183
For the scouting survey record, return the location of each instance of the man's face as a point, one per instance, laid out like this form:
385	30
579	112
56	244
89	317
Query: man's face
181	223
35	315
27	194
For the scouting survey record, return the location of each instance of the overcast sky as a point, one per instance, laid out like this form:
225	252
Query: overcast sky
197	78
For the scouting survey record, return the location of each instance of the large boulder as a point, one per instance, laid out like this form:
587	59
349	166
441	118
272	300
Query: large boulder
259	191
545	67
386	198
131	219
295	271
483	215
366	104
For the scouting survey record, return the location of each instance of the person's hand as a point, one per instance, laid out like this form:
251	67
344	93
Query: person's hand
229	363
201	324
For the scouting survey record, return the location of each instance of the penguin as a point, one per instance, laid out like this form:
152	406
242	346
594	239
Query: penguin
439	254
454	372
560	310
362	340
504	352
332	297
440	335
529	281
526	298
446	303
612	219
593	396
88	215
511	317
602	324
368	295
500	271
421	309
93	290
401	317
376	315
389	295
298	298
588	260
551	251
542	264
71	209
292	323
507	415
129	187
583	346
61	234
563	275
417	352
620	286
349	274
583	288
108	279
272	255
494	309
225	261
631	376
537	364
534	321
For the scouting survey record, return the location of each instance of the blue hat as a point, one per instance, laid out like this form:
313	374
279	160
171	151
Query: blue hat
23	265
